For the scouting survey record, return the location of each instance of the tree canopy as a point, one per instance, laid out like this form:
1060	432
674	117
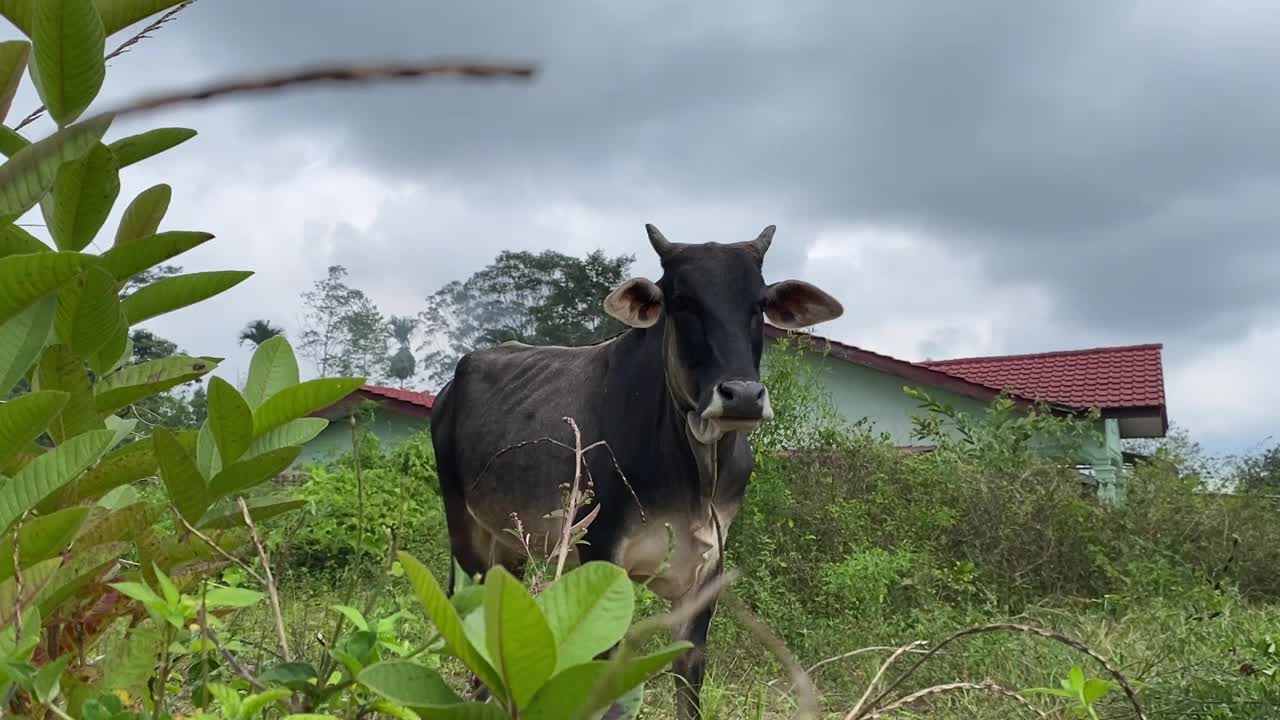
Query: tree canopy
546	298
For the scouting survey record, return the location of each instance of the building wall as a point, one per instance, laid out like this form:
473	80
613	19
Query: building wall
859	392
390	427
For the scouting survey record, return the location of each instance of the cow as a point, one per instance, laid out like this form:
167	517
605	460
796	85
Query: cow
673	397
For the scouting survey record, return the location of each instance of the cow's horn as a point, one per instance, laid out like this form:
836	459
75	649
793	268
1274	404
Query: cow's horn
660	244
763	240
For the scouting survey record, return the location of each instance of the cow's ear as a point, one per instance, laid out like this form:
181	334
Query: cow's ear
636	302
795	304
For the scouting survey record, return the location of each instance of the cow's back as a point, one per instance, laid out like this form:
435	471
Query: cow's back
500	410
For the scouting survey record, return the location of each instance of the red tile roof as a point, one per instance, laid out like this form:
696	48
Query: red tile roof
1106	377
425	400
1109	378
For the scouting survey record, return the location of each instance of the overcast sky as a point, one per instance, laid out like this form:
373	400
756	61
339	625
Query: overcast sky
967	178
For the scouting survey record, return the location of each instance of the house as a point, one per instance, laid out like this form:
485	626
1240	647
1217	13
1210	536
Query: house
1126	384
400	414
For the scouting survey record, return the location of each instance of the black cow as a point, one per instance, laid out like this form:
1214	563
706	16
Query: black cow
673	397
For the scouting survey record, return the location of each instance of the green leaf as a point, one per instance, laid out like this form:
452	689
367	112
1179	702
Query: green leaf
13	62
117	349
61	369
1094	690
89	312
272	369
41	538
48	680
120	14
131	462
34	580
134	382
11	646
294	432
519	641
589	610
29	174
466	711
1075	678
137	148
142	218
179	291
181	477
229	597
11	142
125	261
303	399
207	451
22	337
260	509
569	693
18	12
24	279
353	616
83	194
446	620
230	421
241	476
16	241
131	668
68	42
128	521
44	475
25	418
293	675
408	683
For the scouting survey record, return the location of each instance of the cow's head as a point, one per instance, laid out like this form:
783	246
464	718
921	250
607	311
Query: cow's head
713	301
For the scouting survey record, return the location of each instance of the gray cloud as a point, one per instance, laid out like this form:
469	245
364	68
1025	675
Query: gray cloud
1117	152
1100	171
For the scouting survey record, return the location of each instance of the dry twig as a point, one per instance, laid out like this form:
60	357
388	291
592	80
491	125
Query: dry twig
857	711
1025	630
124	47
226	654
800	680
218	548
272	594
341	74
952	687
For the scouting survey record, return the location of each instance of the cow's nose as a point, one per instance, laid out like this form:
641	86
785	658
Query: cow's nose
741	398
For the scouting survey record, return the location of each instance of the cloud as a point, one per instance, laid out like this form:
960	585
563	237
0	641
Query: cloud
985	177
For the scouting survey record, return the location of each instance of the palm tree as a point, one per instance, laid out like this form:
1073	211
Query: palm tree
402	365
259	331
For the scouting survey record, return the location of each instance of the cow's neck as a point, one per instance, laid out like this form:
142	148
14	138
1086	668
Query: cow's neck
706	441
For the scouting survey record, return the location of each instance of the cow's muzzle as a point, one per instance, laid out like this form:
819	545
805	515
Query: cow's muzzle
738	405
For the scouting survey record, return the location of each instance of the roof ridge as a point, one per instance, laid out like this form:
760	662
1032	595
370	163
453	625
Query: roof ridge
1100	350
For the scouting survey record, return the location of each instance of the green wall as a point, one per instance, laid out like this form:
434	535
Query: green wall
392	428
859	392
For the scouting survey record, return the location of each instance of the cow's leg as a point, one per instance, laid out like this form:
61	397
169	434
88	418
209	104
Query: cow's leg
690	667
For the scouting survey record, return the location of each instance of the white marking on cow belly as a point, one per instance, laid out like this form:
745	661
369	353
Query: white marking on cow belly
689	552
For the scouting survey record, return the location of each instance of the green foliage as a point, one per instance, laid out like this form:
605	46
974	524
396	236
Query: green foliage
541	298
1083	693
93	561
343	331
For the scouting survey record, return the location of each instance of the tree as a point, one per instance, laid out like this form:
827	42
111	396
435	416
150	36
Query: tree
546	298
343	331
259	331
1260	473
402	365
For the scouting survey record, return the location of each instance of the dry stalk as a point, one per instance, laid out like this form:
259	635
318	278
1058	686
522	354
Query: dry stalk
800	679
17	581
1025	630
226	654
574	497
986	685
340	74
124	47
272	594
218	548
857	711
